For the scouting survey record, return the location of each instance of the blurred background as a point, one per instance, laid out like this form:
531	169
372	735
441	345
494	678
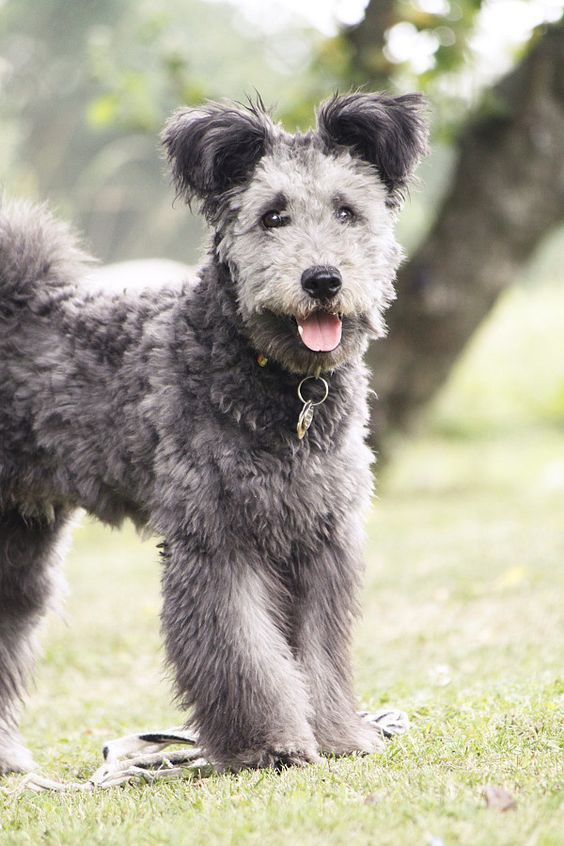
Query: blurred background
85	89
463	600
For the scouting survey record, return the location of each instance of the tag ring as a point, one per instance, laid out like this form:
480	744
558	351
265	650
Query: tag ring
319	379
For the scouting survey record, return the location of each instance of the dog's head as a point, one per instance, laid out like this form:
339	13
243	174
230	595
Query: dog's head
305	221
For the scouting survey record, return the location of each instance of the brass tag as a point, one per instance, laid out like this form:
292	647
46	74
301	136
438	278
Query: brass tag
305	418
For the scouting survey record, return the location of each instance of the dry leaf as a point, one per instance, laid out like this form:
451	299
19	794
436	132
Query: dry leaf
499	799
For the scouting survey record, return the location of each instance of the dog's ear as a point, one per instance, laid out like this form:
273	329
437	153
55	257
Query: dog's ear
387	132
214	148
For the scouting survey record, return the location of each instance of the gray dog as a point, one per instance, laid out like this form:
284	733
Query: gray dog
228	417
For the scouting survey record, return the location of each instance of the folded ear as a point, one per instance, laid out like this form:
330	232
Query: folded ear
214	148
388	132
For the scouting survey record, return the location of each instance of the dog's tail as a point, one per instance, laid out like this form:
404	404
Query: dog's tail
36	250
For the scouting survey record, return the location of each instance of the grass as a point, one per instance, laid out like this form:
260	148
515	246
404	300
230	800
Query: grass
462	628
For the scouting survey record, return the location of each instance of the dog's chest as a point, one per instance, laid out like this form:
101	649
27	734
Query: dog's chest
297	490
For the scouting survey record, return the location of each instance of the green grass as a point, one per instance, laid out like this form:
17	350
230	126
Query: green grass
462	627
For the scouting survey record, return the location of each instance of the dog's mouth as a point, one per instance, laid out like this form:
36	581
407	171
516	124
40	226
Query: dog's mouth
320	331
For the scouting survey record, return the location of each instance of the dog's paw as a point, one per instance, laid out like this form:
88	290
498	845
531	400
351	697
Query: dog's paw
369	740
361	737
280	759
275	757
14	757
367	733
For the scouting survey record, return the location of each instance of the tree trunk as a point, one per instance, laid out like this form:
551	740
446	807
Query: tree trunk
366	42
507	192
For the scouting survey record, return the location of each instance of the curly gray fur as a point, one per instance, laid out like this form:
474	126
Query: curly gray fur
151	405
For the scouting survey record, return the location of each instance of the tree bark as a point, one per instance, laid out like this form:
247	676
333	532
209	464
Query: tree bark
366	42
506	193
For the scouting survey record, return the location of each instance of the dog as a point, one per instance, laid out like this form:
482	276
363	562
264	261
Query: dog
227	417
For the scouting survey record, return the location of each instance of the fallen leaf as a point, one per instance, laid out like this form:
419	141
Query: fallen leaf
373	798
499	799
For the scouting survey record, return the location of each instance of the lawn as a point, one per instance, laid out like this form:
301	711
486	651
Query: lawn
462	628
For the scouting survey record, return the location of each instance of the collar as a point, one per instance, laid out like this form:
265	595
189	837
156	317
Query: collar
305	418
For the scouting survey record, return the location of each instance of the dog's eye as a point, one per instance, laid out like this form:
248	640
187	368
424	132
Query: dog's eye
273	219
344	214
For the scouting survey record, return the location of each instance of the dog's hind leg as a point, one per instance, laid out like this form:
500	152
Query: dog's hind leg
28	555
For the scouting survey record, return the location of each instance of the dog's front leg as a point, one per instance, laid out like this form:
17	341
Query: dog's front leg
233	665
323	633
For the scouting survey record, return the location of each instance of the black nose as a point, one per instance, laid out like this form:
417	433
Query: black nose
321	282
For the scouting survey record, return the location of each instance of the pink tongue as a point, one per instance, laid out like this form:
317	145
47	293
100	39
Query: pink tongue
321	332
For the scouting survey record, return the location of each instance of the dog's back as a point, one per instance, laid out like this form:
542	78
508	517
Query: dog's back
63	345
